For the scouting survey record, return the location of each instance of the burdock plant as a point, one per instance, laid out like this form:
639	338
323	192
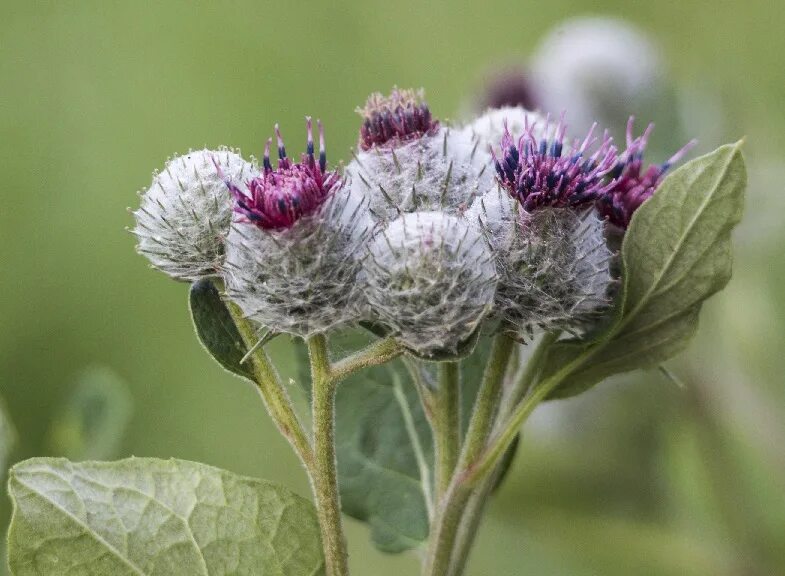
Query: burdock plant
452	279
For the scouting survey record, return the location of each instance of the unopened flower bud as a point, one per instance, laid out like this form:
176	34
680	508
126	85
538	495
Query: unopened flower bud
185	214
406	160
293	254
430	278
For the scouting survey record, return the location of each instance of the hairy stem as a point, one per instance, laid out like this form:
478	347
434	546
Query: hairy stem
487	402
502	440
524	381
324	473
377	353
447	424
273	393
444	530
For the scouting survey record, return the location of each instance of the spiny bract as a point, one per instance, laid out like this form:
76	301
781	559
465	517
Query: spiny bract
185	214
430	278
300	280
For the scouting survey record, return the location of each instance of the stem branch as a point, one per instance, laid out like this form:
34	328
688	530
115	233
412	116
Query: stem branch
324	474
273	393
447	424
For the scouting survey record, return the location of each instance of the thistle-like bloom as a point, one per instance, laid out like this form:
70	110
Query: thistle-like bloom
540	172
631	186
556	271
407	162
430	278
293	253
279	197
401	116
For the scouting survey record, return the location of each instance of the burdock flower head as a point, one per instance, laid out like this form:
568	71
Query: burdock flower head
184	215
540	172
430	279
278	198
554	262
631	185
401	116
406	160
292	253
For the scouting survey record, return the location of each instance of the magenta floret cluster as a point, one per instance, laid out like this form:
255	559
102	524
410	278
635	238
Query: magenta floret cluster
280	196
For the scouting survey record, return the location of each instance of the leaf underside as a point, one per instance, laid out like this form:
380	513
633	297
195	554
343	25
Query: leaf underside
216	329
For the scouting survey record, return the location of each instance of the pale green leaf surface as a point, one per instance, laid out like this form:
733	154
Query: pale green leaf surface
676	253
144	516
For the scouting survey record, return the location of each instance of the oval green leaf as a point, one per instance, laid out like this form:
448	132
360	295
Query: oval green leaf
676	254
144	516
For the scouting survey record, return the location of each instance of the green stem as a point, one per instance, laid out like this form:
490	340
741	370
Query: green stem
377	353
487	401
447	424
505	437
444	530
324	474
274	395
470	524
523	383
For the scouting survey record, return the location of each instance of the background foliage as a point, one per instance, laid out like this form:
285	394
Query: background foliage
638	476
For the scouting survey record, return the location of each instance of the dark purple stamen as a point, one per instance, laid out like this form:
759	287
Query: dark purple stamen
536	173
401	116
279	197
631	186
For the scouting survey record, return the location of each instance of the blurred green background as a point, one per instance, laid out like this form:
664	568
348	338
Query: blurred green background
636	477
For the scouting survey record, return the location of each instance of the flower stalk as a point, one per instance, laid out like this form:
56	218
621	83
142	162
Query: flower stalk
324	474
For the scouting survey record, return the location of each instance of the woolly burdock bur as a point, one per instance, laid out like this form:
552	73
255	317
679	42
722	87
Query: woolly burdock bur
408	162
430	278
293	253
184	215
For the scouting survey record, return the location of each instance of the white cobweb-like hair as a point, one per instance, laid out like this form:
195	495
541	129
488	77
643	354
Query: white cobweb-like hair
556	273
421	174
430	278
184	215
301	280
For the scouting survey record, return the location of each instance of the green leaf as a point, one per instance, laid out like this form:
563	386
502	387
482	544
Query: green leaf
676	253
144	516
91	424
216	329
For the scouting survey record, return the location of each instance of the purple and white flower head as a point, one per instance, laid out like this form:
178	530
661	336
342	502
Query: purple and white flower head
405	161
473	142
632	185
277	199
556	271
391	120
554	262
294	250
430	278
184	215
542	172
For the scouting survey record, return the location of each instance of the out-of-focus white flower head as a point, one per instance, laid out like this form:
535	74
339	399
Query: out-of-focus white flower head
598	68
